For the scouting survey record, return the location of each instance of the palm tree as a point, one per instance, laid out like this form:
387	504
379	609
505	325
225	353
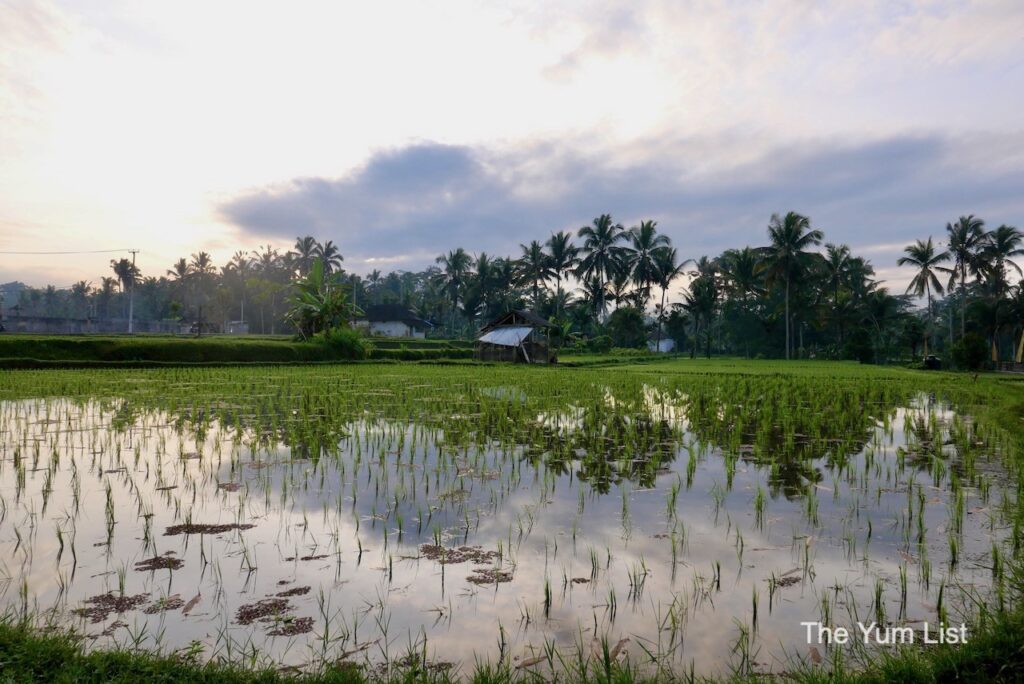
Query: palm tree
453	275
1001	245
534	269
483	280
966	238
594	293
266	262
701	302
644	242
125	271
180	270
601	252
786	255
923	257
563	257
741	269
303	253
837	268
329	253
667	268
80	297
374	280
106	293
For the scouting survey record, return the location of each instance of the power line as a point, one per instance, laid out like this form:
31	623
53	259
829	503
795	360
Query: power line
93	251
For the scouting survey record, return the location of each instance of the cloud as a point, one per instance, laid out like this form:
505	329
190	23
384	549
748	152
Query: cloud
404	206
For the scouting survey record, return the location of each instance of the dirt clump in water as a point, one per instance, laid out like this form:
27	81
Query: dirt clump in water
172	602
297	591
164	562
290	626
460	554
104	605
489	576
198	528
264	610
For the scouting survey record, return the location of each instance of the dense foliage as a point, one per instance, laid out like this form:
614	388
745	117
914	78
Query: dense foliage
795	297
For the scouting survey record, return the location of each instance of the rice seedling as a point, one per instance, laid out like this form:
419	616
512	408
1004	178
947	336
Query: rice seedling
350	493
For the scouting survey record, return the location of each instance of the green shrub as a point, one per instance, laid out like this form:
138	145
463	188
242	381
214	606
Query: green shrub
346	343
627	328
630	352
971	352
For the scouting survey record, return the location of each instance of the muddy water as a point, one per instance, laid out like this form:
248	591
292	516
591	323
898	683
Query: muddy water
401	538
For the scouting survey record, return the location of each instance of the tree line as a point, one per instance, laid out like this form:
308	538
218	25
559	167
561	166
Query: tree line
604	285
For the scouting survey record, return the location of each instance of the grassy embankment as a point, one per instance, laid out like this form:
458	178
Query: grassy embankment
85	351
995	652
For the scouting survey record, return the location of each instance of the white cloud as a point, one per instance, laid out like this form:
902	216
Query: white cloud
138	119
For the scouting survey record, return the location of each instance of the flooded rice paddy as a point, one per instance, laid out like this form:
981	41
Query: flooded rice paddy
304	516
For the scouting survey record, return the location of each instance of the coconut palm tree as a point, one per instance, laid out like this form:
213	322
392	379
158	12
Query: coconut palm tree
701	303
563	257
924	257
594	292
639	256
837	268
966	239
741	270
667	268
80	297
303	253
786	256
601	252
329	253
534	269
453	275
1001	245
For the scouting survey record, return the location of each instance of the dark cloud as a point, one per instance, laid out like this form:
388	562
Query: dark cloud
413	203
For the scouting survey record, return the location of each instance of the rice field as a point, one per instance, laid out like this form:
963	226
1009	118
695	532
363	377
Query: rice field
547	518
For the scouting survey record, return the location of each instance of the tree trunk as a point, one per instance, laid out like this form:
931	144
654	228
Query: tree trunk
1020	348
661	315
928	331
787	317
963	300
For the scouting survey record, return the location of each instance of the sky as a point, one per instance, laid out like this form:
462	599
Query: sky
401	130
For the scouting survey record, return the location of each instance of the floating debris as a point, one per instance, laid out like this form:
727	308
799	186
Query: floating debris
164	562
489	576
290	626
172	602
103	606
297	591
461	554
267	608
196	528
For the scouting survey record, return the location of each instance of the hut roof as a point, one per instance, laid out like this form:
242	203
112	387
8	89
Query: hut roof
382	313
519	318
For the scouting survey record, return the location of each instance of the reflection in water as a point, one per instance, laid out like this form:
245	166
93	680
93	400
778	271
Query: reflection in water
383	515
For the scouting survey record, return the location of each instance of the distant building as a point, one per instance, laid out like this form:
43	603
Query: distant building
518	336
665	346
392	320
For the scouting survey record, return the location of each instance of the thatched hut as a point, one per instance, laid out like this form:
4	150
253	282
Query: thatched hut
517	336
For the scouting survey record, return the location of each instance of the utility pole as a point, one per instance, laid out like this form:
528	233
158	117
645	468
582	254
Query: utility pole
131	296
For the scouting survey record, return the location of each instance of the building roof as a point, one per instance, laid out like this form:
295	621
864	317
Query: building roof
383	313
507	335
517	317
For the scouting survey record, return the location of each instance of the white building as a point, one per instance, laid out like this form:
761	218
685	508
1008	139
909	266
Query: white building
392	320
